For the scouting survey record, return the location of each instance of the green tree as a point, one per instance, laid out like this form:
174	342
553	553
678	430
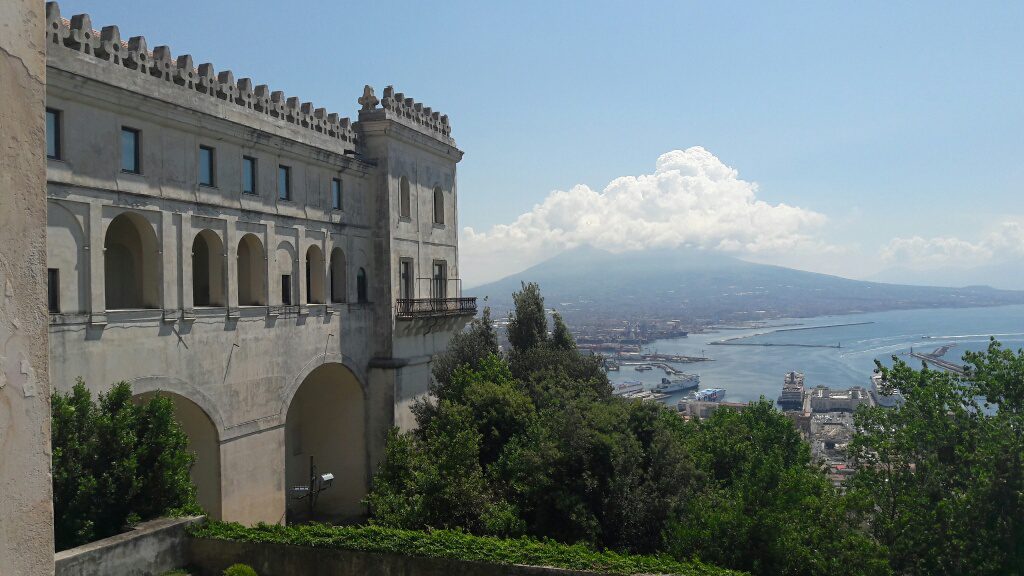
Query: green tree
561	338
528	322
115	462
469	347
941	477
765	508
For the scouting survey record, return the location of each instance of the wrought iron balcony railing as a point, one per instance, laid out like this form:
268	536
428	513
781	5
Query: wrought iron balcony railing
427	307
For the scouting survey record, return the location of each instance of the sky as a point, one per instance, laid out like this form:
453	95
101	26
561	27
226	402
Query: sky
874	140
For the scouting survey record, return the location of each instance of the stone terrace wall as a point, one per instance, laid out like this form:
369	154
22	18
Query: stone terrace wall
153	547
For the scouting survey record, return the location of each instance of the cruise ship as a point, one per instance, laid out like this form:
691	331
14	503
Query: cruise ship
628	387
710	395
680	384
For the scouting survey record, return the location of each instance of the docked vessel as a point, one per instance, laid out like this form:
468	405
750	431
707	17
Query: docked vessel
792	397
628	387
643	367
678	384
710	395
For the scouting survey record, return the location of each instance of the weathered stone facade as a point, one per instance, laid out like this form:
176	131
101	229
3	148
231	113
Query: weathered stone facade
283	273
26	512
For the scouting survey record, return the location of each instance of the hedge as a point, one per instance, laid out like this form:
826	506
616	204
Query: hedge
456	545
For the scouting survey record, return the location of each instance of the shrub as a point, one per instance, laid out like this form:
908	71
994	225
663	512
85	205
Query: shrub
240	570
115	463
455	545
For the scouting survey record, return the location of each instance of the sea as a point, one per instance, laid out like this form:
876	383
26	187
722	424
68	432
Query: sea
836	351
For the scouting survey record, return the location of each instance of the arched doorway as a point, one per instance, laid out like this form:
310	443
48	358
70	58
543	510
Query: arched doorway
339	285
326	421
251	272
131	264
207	269
315	274
204	441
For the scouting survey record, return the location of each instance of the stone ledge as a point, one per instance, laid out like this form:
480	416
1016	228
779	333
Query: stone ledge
152	547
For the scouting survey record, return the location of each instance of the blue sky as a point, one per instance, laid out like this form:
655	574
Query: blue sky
889	120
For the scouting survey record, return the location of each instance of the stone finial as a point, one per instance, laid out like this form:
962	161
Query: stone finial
185	72
278	105
137	56
57	31
245	94
207	80
163	64
110	47
261	97
226	87
368	100
82	38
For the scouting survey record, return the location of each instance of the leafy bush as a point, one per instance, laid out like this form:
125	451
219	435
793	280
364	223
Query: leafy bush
240	570
115	463
456	545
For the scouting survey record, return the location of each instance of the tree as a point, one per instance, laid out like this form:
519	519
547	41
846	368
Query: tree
115	462
469	347
941	477
528	323
561	338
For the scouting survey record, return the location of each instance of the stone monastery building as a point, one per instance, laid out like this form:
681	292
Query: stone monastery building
284	274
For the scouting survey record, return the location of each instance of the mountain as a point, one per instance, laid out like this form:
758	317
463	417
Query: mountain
1008	274
586	284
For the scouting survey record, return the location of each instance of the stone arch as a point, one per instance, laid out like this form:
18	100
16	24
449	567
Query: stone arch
286	262
326	419
315	275
404	198
339	275
208	269
131	260
438	205
252	277
204	442
65	250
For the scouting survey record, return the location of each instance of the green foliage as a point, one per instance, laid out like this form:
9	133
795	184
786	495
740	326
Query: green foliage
240	570
115	463
528	323
561	338
941	478
455	545
468	348
764	507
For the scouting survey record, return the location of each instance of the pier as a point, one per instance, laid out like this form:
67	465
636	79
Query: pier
935	360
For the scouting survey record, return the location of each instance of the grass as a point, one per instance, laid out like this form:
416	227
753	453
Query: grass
457	546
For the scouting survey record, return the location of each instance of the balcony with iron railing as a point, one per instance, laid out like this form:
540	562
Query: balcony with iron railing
438	304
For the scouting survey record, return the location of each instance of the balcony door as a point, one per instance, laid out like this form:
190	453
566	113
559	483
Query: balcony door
439	288
405	280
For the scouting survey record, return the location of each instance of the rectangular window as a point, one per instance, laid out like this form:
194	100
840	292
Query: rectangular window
286	289
248	175
53	289
440	280
284	182
53	134
336	194
130	151
206	166
405	290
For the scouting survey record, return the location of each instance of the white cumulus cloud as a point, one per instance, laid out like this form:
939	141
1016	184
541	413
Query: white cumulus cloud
917	253
692	199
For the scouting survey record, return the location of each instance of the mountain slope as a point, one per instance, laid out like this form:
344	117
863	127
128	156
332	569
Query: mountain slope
693	285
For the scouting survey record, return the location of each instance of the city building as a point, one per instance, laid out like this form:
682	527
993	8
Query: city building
824	399
283	273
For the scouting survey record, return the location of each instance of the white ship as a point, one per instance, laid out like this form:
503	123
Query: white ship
679	384
628	387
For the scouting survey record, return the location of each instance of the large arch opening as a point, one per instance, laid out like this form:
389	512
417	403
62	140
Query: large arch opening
286	264
339	285
66	260
131	263
252	290
204	441
315	274
326	422
207	269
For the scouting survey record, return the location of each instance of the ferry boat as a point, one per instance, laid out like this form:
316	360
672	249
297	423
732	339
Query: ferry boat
643	367
710	395
628	387
680	384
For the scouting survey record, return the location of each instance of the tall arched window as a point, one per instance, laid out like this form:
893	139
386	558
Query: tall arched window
438	206
207	269
339	287
131	263
404	201
252	290
361	293
315	275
